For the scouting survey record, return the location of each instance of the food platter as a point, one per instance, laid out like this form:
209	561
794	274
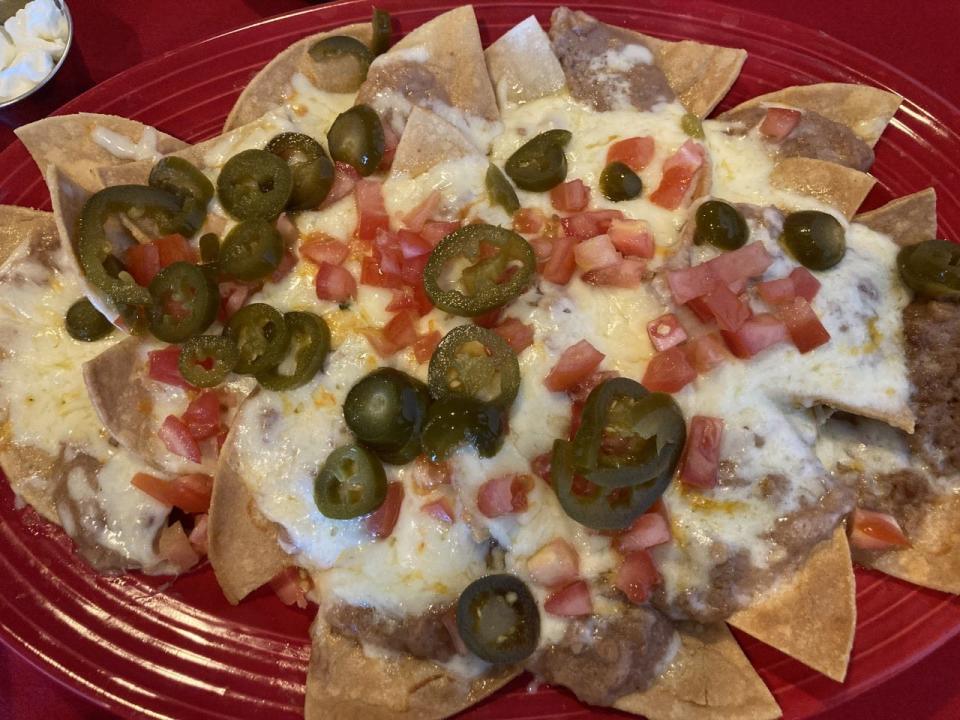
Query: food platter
137	645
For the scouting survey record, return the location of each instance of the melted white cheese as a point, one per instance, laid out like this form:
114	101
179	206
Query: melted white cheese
122	147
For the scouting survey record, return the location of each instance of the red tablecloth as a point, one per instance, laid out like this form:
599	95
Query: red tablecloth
111	35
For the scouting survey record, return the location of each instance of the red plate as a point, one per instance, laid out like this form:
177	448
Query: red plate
140	645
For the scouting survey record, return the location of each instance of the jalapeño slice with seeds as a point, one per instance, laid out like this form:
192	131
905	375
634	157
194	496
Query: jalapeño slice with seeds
622	457
474	362
351	483
312	171
816	239
85	323
309	343
356	138
540	164
931	269
94	250
184	181
251	251
720	224
692	126
185	301
500	191
455	421
501	269
335	47
385	411
498	619
254	185
216	350
261	337
618	182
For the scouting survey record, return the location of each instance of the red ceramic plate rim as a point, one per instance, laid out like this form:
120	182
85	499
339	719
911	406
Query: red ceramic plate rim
923	136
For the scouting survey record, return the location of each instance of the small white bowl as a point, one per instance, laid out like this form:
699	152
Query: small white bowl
62	4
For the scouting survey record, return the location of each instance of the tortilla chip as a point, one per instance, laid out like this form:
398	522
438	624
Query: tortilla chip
67	141
812	617
522	64
19	225
865	110
835	185
439	66
907	220
700	75
243	546
933	560
267	88
392	688
709	679
428	140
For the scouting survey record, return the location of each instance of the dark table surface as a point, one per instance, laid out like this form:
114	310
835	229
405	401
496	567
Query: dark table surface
919	37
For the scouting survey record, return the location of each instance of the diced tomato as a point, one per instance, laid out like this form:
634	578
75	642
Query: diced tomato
561	264
387	252
570	601
335	283
699	308
870	530
380	522
202	416
489	319
636	152
418	217
756	334
199	539
666	332
777	292
590	223
504	495
668	371
519	336
542	248
729	311
555	564
382	346
575	364
402	299
322	249
581	391
233	296
164	366
732	268
706	352
779	122
637	576
291	587
692	282
632	237
529	221
648	530
804	283
177	438
412	245
679	172
401	330
441	509
371	211
174	248
449	620
428	476
628	273
434	231
174	546
345	177
701	454
597	252
425	346
540	466
805	328
411	269
142	262
191	493
571	196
